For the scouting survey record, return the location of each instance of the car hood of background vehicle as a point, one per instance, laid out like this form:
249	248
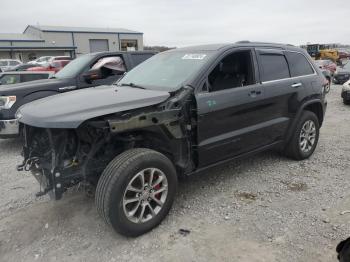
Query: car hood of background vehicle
28	87
71	109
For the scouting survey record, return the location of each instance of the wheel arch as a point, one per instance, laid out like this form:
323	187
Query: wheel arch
314	106
160	140
317	108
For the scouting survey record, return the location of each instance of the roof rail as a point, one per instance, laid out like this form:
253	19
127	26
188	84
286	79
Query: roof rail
266	43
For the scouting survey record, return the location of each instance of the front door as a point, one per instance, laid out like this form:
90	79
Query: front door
230	112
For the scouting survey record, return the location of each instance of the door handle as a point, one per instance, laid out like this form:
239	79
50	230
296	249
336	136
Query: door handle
67	88
254	93
296	85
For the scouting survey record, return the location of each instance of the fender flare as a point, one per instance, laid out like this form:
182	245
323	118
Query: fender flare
292	126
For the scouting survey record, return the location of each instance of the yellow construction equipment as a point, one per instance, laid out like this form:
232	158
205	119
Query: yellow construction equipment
318	51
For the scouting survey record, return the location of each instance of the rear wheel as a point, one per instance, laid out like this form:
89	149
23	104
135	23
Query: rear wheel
346	102
305	138
136	191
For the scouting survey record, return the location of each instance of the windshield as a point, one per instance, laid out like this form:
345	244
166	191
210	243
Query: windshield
3	63
166	71
74	67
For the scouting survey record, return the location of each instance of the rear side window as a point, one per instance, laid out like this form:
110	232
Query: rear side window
274	67
28	77
298	64
139	58
9	79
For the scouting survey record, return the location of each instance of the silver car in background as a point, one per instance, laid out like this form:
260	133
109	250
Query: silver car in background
8	64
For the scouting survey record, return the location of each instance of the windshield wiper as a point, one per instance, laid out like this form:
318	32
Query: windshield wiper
131	85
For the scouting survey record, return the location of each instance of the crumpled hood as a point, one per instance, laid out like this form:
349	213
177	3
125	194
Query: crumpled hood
70	109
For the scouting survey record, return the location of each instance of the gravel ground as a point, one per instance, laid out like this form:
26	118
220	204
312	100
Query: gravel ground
264	208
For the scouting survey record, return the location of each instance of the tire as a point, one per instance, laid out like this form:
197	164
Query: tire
346	102
126	171
294	149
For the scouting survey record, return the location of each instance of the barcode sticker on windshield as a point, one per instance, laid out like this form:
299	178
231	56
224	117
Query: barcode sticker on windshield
194	56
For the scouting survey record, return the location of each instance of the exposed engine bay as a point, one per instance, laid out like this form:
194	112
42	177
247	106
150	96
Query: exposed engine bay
62	158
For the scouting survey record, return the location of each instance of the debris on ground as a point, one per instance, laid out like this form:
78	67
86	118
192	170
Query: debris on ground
184	232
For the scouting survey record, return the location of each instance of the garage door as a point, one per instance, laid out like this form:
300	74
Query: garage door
98	45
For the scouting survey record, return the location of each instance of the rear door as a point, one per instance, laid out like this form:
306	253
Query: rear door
282	92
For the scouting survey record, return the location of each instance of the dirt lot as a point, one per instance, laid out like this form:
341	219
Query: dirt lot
264	208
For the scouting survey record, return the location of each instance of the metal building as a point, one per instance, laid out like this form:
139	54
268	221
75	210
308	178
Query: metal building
38	41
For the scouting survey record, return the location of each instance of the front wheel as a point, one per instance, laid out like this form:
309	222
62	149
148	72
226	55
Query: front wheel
305	138
136	191
346	101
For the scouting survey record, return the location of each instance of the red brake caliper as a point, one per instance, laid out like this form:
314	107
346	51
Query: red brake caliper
157	187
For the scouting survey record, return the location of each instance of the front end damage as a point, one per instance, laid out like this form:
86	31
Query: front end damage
62	158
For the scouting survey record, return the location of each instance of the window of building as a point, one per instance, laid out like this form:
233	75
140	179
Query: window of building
235	70
274	67
298	64
128	45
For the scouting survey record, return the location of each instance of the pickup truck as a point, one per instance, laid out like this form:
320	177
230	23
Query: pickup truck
78	74
178	113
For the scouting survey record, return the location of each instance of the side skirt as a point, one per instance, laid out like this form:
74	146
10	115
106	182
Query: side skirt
244	155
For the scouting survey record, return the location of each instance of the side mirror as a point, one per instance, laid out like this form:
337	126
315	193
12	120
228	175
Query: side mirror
92	75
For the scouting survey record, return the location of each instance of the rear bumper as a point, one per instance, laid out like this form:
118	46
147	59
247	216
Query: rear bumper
9	128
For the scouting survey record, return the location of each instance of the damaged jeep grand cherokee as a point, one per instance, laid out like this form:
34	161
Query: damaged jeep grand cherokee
178	113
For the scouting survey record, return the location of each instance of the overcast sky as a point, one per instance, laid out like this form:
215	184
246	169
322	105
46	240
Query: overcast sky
190	22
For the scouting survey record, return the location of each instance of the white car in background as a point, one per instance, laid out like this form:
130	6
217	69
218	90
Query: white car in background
41	60
345	93
8	64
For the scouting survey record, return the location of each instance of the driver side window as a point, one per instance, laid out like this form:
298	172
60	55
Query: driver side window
235	70
110	66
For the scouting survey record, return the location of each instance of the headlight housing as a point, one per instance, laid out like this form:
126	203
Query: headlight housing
6	102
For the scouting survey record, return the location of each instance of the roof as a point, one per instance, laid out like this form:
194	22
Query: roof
107	30
19	38
38	45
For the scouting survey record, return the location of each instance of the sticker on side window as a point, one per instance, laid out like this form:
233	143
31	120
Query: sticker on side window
194	56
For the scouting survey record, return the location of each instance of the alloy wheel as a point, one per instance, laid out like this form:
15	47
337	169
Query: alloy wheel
145	195
307	136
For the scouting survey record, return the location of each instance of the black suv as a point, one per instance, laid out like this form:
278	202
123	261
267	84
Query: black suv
86	71
178	113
